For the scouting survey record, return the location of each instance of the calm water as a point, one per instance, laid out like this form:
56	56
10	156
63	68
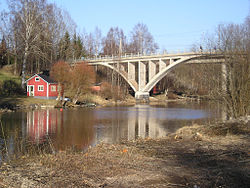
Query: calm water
80	128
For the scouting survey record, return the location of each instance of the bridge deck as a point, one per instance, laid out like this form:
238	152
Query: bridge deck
151	57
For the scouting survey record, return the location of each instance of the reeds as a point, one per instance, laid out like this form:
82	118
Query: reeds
5	143
16	147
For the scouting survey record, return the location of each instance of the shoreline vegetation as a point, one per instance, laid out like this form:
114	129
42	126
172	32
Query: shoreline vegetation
196	156
10	104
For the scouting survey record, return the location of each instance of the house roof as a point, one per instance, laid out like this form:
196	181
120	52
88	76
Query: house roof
44	77
47	78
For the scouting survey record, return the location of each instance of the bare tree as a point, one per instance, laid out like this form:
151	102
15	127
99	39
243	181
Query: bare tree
82	78
58	72
7	32
233	40
26	16
111	42
34	31
141	40
97	41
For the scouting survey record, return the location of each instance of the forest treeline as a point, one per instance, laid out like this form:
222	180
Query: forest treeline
35	34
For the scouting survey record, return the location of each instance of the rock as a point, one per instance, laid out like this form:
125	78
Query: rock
197	136
177	137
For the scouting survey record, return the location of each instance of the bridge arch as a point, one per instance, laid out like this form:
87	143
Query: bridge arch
123	74
165	71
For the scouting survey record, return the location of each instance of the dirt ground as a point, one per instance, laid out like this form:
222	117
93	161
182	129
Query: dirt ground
192	157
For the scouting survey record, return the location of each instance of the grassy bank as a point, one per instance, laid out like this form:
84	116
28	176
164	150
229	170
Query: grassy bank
192	157
23	102
6	74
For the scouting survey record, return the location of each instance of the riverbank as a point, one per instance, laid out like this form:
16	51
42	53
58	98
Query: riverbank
197	156
9	104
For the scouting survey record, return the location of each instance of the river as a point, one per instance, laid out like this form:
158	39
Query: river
80	128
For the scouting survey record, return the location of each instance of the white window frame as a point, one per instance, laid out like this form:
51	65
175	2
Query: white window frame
40	87
37	79
54	88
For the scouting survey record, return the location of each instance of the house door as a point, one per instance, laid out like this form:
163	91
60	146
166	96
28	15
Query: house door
31	90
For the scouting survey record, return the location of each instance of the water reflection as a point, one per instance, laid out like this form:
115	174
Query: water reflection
143	123
66	129
83	127
127	123
42	123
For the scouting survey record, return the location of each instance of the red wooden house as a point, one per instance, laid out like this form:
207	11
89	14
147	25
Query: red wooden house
42	86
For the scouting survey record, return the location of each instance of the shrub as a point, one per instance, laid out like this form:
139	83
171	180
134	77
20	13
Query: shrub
10	87
106	90
111	92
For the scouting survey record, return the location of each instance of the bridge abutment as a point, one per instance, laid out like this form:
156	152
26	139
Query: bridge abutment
142	96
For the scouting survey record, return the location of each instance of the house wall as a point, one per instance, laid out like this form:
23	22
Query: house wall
36	84
53	93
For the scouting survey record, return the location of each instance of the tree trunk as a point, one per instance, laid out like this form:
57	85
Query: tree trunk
24	69
38	65
59	91
8	58
75	99
15	65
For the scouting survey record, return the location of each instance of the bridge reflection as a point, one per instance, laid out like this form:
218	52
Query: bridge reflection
141	121
143	124
128	124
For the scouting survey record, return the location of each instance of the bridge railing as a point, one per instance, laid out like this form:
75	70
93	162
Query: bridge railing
132	55
128	55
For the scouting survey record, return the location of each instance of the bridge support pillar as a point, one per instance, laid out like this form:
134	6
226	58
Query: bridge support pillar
131	71
224	77
142	96
162	65
151	69
141	75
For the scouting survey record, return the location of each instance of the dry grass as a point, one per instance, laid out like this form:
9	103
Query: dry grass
25	102
31	100
97	99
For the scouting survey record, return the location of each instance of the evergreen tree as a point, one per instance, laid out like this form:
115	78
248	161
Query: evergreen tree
79	44
65	52
77	47
3	53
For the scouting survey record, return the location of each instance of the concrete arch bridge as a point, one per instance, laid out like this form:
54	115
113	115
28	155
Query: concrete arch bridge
143	72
